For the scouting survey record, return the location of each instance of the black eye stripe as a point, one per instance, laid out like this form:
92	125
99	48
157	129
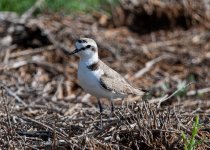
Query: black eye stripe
80	41
88	46
84	48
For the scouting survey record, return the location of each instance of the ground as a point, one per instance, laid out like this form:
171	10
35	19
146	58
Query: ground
42	105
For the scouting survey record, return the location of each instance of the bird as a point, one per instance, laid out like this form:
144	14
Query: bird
97	78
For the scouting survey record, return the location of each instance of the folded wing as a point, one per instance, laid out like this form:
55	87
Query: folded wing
113	81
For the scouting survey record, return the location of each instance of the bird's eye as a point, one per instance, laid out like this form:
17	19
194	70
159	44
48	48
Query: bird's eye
83	41
88	46
80	41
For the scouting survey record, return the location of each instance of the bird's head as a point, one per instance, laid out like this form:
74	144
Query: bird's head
86	48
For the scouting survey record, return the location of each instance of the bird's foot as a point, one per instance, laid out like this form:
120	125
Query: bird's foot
99	123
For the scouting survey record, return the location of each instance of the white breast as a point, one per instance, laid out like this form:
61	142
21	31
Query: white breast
89	81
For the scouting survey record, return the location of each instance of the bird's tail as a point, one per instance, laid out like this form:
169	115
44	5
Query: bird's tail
139	92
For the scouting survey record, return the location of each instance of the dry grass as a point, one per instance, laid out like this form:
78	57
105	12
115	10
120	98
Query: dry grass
141	125
42	106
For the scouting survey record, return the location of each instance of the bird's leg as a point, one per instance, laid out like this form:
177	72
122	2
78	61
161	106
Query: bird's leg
101	110
112	106
122	103
127	105
100	106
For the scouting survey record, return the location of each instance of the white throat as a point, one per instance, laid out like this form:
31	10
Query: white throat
89	60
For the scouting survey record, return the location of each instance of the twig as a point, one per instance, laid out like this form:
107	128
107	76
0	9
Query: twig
157	45
106	128
166	97
40	134
8	53
49	67
8	115
199	91
156	100
149	65
61	135
30	11
178	90
31	51
11	93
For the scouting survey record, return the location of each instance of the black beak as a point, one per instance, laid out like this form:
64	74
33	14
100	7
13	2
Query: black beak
74	52
78	50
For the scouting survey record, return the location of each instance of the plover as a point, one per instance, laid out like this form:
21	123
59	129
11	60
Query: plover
98	79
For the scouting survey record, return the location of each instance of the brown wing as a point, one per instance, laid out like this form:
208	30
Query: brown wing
113	81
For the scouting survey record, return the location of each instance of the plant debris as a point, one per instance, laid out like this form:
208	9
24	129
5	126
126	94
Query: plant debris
42	106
